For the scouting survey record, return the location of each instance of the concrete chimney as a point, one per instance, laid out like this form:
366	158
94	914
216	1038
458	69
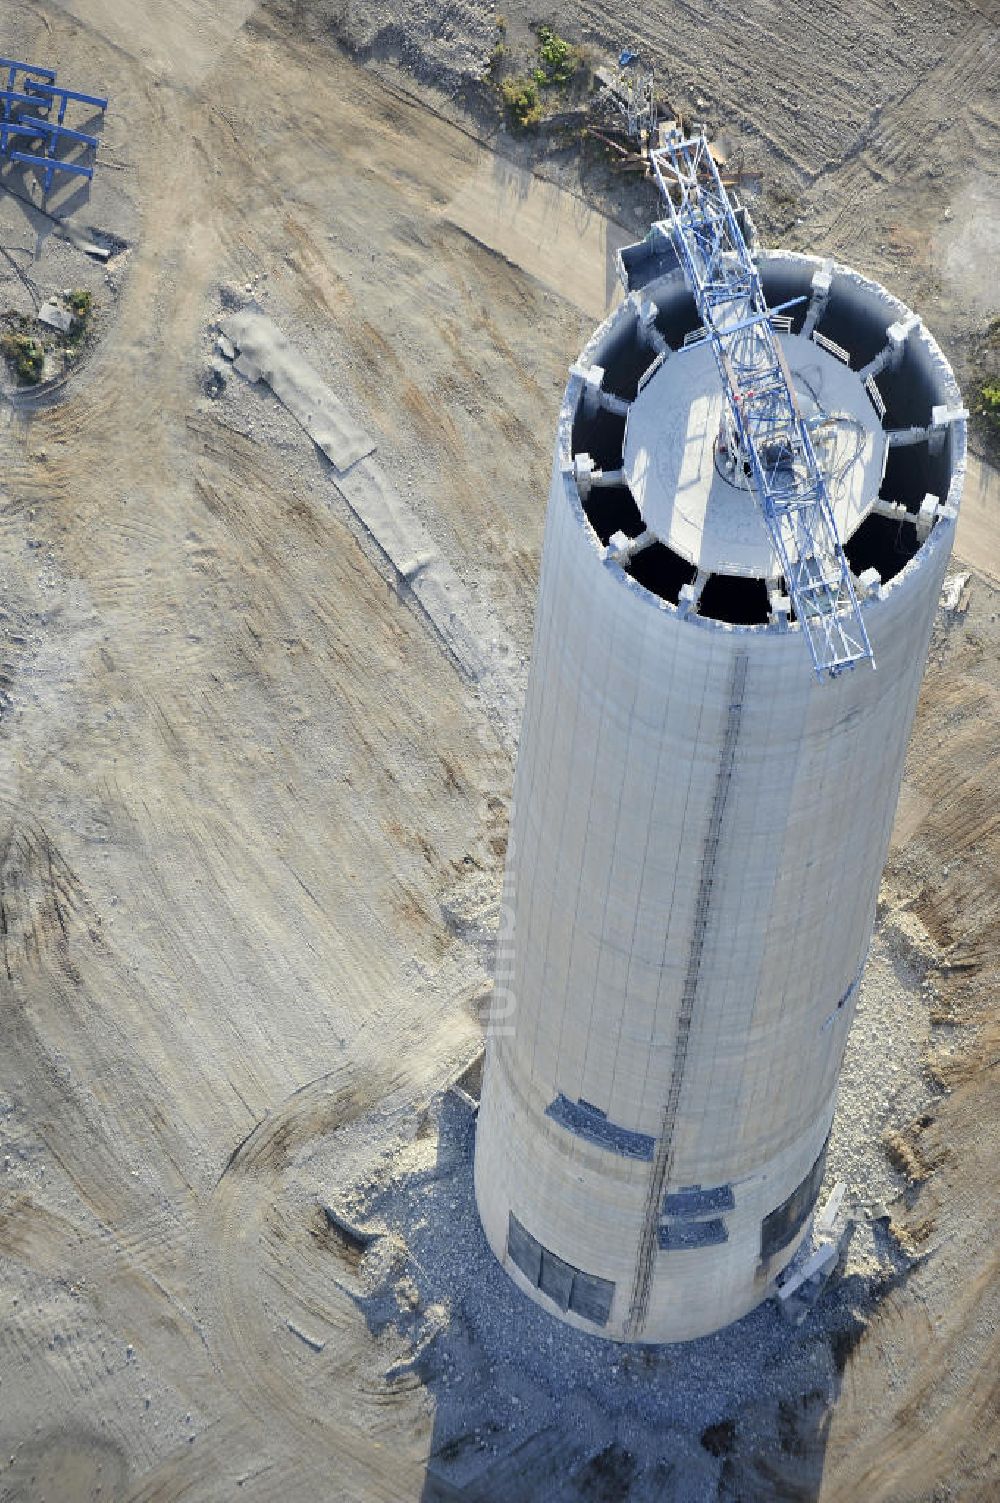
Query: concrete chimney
699	825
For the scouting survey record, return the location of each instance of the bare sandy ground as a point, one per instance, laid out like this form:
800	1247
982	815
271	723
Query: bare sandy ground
544	230
978	535
252	817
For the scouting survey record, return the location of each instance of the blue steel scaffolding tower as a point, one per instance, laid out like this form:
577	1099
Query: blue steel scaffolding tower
764	431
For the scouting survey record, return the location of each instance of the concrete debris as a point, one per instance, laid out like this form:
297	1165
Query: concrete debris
225	347
827	1218
265	354
464	1097
55	316
216	377
468	1086
427	576
502	1372
311	1341
955	594
819	1263
435	1322
356	1235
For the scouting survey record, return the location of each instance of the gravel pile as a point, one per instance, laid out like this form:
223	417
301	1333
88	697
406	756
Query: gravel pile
508	1380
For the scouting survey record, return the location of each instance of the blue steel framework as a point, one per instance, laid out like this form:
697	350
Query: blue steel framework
25	116
764	430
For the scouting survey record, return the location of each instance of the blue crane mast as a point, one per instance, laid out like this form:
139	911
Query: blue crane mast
764	432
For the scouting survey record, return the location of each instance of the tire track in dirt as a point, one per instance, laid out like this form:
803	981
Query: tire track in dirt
905	131
277	1260
40	896
749	61
261	1251
907	138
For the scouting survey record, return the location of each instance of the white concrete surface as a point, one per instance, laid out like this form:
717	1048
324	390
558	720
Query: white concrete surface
266	354
670	443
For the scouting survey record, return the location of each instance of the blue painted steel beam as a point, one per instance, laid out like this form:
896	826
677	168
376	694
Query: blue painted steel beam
50	128
22	127
76	168
15	67
56	91
51	166
10	96
766	426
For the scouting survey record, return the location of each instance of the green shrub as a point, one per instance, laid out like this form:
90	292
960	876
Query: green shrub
81	302
559	60
497	58
521	103
26	355
989	404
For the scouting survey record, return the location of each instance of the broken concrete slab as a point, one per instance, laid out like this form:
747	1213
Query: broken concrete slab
429	578
822	1261
266	354
463	1096
358	1236
425	578
55	316
955	594
827	1217
314	1342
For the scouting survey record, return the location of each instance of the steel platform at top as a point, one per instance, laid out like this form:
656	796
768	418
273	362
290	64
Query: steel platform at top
764	428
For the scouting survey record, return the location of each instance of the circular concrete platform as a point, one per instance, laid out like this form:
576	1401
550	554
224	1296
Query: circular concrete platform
670	459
